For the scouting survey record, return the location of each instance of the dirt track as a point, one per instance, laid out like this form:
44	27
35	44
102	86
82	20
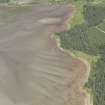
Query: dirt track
33	71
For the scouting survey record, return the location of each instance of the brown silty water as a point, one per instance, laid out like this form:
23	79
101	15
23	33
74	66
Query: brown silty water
33	70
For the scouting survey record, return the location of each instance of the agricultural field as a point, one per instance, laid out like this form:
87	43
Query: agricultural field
89	38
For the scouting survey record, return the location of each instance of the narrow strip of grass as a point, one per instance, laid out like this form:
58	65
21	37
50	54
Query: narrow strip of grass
78	15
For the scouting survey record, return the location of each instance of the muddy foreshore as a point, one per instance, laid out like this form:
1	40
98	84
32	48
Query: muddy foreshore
37	69
80	59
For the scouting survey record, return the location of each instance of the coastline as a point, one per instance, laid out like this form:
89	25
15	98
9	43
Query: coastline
88	67
88	100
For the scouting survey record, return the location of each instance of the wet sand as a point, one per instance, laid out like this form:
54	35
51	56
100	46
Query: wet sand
34	71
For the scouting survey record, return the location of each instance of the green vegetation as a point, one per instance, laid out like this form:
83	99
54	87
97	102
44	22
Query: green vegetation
53	1
4	1
91	59
87	40
43	1
39	1
49	1
78	16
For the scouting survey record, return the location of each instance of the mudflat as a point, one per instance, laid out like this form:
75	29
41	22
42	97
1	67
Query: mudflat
33	70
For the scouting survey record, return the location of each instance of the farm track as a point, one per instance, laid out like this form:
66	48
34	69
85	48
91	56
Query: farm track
33	70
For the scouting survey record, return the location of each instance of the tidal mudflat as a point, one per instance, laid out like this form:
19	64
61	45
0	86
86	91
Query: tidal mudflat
33	70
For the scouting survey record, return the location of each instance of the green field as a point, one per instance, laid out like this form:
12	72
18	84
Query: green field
50	1
89	39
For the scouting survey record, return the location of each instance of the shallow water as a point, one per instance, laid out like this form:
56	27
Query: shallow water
33	71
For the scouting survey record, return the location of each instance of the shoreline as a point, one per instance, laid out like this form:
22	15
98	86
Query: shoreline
83	60
87	64
88	67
